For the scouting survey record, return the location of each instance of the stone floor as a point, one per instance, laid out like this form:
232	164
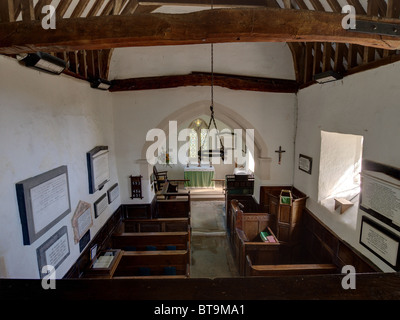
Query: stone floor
211	255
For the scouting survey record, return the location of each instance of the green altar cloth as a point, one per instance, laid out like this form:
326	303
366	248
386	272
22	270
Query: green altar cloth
200	177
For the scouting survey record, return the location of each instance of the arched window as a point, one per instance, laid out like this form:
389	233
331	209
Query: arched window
198	137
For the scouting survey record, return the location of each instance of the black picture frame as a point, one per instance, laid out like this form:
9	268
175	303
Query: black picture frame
113	193
57	242
100	205
43	201
98	170
305	163
367	222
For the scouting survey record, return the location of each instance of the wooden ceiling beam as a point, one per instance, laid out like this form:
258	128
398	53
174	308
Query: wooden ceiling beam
28	12
205	3
357	5
7	11
62	8
204	79
80	8
39	7
209	26
130	7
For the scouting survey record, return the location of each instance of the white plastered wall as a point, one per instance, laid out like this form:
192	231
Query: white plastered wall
271	115
47	121
363	104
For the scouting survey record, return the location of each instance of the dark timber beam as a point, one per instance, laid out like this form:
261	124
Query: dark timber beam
204	79
209	26
208	3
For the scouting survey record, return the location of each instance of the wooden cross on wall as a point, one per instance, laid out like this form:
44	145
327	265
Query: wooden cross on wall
280	151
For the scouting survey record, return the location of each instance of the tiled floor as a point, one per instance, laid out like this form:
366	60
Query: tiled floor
211	255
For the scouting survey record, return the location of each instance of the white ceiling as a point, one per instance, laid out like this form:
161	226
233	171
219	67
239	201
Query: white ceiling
272	60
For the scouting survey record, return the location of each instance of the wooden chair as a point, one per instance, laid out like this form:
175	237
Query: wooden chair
161	177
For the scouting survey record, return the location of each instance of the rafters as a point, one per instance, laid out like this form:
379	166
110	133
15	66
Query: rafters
313	50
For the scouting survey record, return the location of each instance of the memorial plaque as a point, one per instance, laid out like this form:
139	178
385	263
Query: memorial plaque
82	220
43	201
98	168
54	251
100	205
113	193
380	241
381	193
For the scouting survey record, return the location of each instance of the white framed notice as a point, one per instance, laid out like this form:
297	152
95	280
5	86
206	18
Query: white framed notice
43	201
380	241
381	193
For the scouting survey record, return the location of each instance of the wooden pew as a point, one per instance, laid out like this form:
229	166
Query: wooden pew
159	264
142	241
179	207
288	269
246	239
155	225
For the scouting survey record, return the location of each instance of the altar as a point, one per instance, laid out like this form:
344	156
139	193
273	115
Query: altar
200	177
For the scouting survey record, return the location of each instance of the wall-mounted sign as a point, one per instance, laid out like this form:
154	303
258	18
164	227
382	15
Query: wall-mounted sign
43	201
98	169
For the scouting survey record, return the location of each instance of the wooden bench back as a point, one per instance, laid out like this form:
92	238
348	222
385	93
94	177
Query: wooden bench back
288	269
251	223
174	208
155	225
142	241
154	263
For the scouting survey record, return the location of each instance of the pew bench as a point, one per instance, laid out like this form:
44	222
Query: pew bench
288	269
246	240
147	241
259	251
155	225
174	205
153	264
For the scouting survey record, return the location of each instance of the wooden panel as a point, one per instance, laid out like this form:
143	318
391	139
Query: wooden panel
159	240
323	244
284	213
377	286
156	261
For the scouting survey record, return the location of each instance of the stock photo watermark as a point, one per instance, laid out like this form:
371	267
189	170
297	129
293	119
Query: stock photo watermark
232	144
49	277
49	20
349	21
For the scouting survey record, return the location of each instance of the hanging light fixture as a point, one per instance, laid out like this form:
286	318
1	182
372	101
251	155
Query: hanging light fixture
212	153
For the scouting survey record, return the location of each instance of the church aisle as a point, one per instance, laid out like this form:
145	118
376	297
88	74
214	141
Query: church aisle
210	251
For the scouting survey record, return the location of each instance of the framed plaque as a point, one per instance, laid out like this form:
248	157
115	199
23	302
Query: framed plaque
381	242
113	193
305	163
43	201
98	169
82	220
100	205
54	251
